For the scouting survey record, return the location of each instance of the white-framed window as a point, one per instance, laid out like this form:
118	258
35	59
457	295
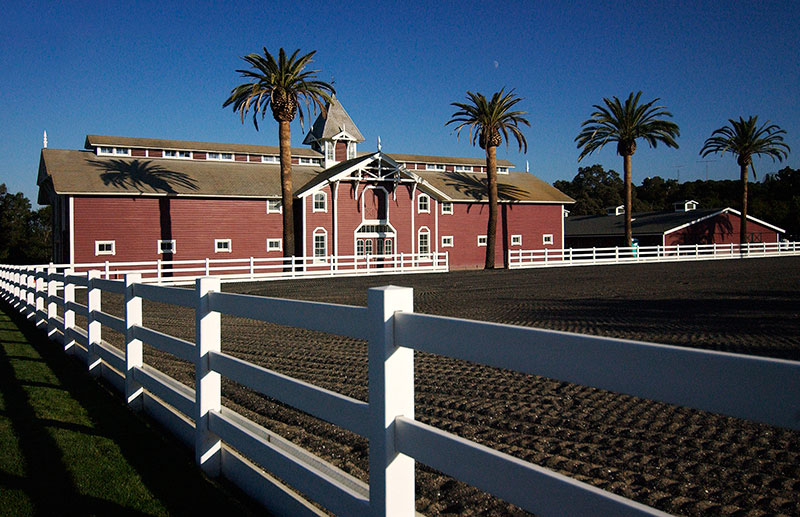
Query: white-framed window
172	153
447	241
222	246
463	168
360	247
423	204
502	170
367	246
447	207
120	151
329	147
434	167
547	238
516	240
274	206
388	246
351	150
270	159
274	244
481	240
168	246
308	161
105	248
320	236
220	156
320	202
423	240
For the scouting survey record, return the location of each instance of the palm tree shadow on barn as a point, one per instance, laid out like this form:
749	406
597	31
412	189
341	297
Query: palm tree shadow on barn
478	188
147	177
705	232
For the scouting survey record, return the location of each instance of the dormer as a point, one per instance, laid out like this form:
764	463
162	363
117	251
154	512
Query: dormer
334	134
615	210
685	206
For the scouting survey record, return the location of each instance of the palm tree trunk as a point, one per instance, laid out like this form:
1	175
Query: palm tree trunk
285	140
743	223
628	206
491	228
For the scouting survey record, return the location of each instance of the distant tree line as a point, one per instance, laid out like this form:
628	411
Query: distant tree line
25	234
775	199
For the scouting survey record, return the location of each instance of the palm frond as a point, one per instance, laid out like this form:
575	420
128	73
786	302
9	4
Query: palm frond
490	117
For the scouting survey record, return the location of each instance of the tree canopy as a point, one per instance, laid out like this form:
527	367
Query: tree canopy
25	234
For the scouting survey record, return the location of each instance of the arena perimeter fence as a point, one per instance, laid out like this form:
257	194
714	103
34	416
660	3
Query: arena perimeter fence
520	259
228	444
185	272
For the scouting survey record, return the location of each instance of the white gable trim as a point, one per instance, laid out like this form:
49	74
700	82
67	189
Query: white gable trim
723	211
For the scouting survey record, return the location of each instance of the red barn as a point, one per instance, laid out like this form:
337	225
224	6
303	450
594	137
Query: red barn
137	199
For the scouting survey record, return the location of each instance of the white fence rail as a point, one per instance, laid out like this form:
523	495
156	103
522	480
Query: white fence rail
518	259
178	272
761	389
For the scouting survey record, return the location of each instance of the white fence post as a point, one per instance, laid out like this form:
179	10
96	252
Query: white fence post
30	297
133	347
208	266
391	394
52	310
207	382
93	327
69	314
41	294
252	269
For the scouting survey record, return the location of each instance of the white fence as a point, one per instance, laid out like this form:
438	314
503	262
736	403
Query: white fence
177	272
761	389
518	259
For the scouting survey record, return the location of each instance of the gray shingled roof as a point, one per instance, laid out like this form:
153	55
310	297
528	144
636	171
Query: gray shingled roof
93	141
644	223
83	172
331	124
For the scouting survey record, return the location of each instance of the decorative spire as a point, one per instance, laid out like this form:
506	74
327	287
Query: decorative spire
527	166
379	143
44	140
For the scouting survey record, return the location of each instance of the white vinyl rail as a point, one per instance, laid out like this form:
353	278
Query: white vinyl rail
552	257
185	272
761	389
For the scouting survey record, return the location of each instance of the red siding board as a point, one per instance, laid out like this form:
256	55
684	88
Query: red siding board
138	152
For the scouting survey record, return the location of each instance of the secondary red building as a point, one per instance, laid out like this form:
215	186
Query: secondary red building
137	199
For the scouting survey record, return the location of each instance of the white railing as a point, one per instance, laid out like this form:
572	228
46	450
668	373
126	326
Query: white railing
761	389
177	272
518	259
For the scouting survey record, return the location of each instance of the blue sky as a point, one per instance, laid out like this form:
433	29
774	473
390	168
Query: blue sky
162	69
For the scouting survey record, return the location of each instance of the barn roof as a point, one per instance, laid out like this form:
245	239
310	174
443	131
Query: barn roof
643	223
84	172
333	123
93	141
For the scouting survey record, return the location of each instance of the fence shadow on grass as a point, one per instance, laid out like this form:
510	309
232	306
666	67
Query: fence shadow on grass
165	468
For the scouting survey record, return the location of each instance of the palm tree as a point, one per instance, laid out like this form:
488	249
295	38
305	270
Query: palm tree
279	85
624	123
490	122
745	139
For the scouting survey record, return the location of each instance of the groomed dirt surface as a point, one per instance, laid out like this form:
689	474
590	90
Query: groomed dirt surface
678	460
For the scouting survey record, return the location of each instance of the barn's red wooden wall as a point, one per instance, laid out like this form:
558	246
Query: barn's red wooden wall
721	229
135	224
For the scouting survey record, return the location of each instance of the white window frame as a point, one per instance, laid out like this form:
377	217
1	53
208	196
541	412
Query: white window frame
113	151
368	245
482	241
547	238
359	247
330	155
219	156
319	232
224	249
463	168
427	208
447	208
324	200
351	150
447	241
388	250
435	167
176	154
424	230
278	210
502	170
279	246
270	158
173	243
516	240
307	161
97	245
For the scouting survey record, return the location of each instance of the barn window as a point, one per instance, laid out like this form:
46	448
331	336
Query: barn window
434	167
166	246
320	243
516	240
547	238
105	248
368	247
388	246
423	204
309	161
122	151
447	207
220	156
274	206
320	202
424	241
481	240
360	247
463	168
329	151
447	241
270	159
274	244
502	170
222	245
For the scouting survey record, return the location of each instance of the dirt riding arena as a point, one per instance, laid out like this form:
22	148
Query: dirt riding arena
678	460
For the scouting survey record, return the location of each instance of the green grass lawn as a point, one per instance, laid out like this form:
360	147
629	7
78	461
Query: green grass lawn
68	446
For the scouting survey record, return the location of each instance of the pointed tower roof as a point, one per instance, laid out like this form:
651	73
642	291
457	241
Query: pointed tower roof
332	124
